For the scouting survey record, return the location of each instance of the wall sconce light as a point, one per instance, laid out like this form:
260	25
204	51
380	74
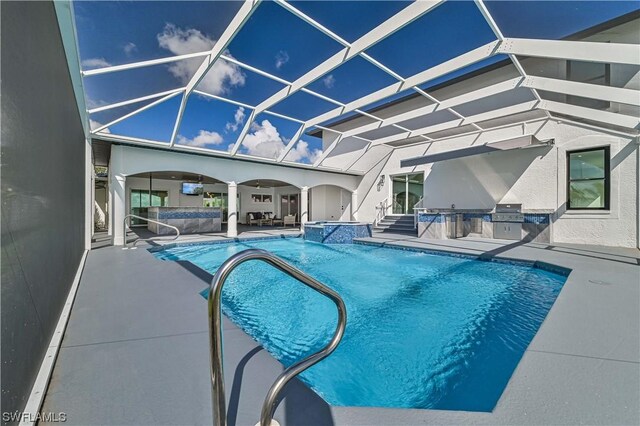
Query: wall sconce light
380	182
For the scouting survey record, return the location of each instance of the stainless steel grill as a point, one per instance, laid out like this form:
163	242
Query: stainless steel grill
508	213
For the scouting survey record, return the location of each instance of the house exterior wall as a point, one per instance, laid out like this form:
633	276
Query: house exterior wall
43	191
330	203
534	177
127	161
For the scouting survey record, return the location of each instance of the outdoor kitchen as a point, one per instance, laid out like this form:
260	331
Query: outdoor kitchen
504	222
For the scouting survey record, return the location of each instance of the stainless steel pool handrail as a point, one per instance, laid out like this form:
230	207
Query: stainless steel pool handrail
215	333
124	229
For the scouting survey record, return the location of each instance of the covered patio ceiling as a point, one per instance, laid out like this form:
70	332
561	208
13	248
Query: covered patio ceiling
306	104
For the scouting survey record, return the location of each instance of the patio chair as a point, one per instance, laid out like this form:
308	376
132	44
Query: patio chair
289	220
252	218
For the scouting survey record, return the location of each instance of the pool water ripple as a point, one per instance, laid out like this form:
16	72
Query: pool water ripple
423	330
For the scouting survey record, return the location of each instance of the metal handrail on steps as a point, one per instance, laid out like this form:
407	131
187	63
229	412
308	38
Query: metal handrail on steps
381	211
124	230
215	333
417	207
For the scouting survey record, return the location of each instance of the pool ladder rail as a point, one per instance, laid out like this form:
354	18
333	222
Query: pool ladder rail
133	246
215	333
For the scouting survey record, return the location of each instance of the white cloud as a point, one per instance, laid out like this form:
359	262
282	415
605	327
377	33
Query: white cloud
221	77
264	140
95	103
95	63
281	58
95	124
301	151
329	81
129	48
204	137
238	118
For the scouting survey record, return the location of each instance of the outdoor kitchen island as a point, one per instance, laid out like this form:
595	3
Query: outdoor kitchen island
505	222
189	220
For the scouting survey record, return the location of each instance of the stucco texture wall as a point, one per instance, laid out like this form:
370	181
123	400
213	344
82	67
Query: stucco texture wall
534	177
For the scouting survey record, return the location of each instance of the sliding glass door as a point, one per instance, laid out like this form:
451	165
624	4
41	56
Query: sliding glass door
407	191
289	205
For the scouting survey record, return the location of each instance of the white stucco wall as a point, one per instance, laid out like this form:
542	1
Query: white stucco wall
534	177
330	203
127	161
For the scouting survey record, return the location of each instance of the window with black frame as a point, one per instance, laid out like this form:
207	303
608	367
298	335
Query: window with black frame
588	179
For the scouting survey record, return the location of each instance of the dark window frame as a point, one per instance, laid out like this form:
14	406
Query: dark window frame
607	178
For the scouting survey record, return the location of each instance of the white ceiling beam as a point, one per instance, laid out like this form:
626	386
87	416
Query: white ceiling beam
359	157
489	115
312	22
291	143
141	64
236	24
484	92
209	152
622	120
255	70
585	90
608	53
439	70
133	101
390	26
139	110
326	152
498	33
346	44
393	24
223	99
286	117
599	128
243	132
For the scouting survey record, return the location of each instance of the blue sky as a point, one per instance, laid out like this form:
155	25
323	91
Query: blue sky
277	42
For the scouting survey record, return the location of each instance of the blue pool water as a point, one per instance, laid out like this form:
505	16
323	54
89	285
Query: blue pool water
423	330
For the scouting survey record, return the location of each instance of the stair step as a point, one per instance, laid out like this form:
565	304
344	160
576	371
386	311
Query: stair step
385	226
386	219
396	231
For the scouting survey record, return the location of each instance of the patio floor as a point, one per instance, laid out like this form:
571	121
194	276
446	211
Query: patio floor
136	347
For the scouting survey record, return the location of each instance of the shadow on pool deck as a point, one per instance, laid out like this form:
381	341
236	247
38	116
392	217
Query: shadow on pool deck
136	349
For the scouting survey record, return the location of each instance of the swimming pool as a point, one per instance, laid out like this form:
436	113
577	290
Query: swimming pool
423	330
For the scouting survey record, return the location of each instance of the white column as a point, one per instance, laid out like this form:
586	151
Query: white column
88	194
232	220
109	203
117	208
304	206
354	205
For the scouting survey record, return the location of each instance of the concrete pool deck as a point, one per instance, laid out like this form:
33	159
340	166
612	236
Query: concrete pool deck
136	347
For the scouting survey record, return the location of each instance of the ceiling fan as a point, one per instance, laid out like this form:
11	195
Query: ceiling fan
258	186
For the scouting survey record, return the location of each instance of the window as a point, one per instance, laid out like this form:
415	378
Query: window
588	179
219	199
139	203
261	198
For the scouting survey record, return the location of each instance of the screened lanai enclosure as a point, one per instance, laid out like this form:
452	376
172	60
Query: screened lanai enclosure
238	87
459	178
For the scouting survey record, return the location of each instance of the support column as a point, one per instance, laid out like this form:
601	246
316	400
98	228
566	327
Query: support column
354	205
232	219
88	196
117	208
304	206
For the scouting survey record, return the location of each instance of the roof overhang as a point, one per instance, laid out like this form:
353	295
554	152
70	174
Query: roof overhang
521	142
